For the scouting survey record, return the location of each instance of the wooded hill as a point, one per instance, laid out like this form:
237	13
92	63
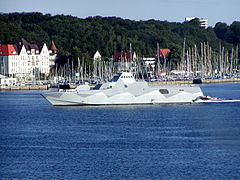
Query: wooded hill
74	36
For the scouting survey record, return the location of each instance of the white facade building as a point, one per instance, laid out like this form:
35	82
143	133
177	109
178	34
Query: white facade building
26	60
97	56
97	66
203	22
148	63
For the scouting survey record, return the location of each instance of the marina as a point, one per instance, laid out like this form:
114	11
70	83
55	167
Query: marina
72	86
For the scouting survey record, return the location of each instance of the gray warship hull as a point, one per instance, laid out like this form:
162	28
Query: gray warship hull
125	90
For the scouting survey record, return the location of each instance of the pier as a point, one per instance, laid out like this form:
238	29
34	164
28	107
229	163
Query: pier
28	87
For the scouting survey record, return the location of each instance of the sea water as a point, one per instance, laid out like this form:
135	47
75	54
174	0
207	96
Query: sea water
177	141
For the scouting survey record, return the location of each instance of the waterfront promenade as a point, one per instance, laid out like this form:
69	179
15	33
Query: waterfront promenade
28	87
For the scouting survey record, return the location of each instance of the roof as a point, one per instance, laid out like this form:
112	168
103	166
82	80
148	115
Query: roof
163	53
53	47
123	56
97	55
8	49
30	46
12	49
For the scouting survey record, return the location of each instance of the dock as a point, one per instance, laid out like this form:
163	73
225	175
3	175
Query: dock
204	81
28	87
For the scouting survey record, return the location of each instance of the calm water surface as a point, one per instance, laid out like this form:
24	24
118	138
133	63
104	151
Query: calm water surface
200	141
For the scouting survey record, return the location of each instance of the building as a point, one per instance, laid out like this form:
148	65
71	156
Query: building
52	54
97	56
163	53
26	60
7	81
125	60
124	56
203	22
151	62
97	66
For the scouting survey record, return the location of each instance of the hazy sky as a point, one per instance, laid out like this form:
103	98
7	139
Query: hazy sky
170	10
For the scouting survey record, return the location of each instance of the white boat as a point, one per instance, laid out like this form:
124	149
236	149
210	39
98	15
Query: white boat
124	89
209	99
202	99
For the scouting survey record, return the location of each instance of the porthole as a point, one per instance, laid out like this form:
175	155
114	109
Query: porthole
163	91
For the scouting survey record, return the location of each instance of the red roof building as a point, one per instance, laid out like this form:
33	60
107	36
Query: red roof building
163	53
8	49
24	59
124	56
53	47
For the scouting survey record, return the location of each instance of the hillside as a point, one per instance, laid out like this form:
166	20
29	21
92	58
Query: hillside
74	36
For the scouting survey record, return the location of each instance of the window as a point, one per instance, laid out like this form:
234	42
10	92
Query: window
163	91
114	79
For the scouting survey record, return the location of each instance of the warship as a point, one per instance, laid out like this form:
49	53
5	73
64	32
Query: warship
124	89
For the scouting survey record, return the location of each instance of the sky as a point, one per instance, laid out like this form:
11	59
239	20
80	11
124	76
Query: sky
170	10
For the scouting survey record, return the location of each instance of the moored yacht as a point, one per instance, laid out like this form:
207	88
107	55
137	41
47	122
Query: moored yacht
124	89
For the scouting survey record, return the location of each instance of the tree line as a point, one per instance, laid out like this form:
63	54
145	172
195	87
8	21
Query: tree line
76	37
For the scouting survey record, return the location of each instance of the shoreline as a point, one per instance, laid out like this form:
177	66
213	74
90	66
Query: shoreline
46	87
22	88
204	81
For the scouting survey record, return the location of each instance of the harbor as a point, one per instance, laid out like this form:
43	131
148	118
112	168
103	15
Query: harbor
72	86
120	90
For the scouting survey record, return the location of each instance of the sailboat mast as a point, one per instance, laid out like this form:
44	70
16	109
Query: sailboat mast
158	60
183	54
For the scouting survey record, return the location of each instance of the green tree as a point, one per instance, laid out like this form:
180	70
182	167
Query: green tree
73	35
